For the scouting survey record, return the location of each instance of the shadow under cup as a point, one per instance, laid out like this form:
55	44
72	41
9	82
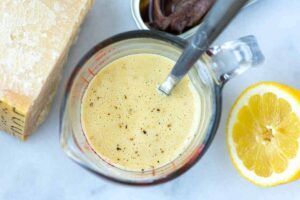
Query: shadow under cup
72	138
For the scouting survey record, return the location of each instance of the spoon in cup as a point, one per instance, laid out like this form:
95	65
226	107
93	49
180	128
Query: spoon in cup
213	24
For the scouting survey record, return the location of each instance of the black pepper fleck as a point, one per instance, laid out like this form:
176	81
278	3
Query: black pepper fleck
119	149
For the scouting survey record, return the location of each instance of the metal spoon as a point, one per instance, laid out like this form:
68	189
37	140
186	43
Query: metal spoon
213	24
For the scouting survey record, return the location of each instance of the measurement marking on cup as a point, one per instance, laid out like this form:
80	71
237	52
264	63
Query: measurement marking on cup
91	72
99	56
76	94
173	165
84	80
76	91
153	172
102	54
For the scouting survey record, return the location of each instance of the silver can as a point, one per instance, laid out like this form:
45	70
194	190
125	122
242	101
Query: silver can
135	10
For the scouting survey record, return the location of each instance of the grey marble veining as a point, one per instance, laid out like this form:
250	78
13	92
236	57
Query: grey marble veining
38	170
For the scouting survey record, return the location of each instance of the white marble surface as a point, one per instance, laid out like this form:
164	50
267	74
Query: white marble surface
38	169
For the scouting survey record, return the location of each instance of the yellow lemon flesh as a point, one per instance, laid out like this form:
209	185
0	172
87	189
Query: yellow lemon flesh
263	134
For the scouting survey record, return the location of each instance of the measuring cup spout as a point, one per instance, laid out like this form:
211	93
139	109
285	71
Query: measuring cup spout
233	58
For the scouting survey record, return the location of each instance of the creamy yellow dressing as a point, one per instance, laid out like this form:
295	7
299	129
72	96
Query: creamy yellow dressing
128	123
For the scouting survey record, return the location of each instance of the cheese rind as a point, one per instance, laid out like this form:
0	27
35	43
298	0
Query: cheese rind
13	119
35	36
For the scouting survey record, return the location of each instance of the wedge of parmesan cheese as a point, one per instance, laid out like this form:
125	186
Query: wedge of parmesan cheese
35	36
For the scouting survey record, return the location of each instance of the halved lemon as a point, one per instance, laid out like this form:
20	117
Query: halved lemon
263	134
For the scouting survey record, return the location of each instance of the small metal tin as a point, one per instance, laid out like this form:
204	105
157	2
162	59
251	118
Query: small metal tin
135	10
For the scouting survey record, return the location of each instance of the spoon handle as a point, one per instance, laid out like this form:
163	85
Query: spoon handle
213	24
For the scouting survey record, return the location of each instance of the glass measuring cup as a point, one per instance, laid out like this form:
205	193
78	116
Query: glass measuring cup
208	75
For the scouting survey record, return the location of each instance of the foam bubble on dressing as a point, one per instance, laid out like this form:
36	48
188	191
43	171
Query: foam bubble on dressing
128	123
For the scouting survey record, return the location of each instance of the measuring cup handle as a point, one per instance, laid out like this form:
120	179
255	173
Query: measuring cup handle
233	58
